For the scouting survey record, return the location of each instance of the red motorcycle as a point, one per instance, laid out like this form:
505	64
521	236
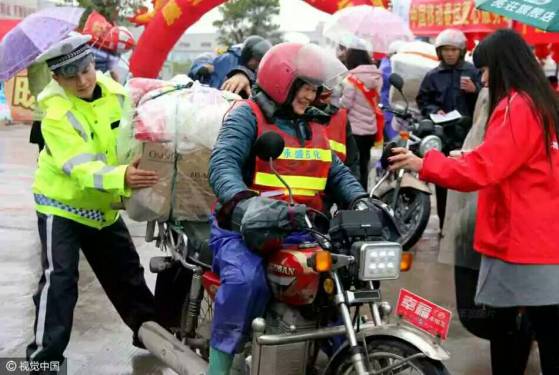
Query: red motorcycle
315	321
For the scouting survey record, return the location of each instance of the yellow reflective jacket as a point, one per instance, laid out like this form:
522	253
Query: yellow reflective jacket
78	176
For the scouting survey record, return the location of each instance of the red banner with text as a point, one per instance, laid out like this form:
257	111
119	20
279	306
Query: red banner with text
19	97
430	17
535	36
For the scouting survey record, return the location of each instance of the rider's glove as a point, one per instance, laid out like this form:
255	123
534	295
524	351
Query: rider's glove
264	222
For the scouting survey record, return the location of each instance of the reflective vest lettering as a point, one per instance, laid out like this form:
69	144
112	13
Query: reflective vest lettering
304	168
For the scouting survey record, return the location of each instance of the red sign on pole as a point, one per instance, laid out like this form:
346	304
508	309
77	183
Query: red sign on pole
423	314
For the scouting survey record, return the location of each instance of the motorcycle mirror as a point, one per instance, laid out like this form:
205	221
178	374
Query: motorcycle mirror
268	146
386	153
425	127
397	81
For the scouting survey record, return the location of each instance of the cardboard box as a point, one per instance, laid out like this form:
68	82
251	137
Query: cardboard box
193	197
154	203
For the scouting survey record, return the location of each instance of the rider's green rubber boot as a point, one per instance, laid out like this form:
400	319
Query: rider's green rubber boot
220	362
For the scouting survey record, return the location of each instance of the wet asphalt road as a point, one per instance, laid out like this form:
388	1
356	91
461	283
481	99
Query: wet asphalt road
100	342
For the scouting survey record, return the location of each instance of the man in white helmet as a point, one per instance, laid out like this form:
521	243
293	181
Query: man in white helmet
453	85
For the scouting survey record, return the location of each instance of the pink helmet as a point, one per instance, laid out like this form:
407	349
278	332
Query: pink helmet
286	62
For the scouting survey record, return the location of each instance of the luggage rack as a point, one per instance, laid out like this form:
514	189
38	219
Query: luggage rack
186	241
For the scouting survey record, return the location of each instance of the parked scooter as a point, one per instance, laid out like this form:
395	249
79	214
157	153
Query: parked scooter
402	191
319	291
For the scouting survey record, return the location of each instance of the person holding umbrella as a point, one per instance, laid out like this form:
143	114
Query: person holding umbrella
516	171
77	184
23	43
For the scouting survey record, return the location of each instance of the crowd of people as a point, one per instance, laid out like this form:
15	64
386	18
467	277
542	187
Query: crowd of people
514	168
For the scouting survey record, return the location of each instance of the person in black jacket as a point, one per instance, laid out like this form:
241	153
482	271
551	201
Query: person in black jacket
453	85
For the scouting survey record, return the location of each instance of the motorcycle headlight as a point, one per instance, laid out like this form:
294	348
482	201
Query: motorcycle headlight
379	260
428	143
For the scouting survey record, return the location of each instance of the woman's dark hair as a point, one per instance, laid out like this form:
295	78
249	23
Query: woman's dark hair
356	57
513	66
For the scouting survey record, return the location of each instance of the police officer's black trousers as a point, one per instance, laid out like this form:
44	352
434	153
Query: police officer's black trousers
112	256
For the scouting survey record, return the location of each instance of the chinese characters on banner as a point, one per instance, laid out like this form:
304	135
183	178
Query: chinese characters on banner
533	11
423	314
331	6
430	17
19	97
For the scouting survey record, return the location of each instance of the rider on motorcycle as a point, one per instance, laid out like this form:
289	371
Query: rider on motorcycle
289	78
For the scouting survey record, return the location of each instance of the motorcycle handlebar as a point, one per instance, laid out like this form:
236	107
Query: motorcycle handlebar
321	239
403	114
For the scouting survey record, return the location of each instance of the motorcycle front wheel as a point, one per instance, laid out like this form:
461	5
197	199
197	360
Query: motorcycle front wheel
387	354
412	212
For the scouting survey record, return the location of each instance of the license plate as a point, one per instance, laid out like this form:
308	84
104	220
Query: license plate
423	314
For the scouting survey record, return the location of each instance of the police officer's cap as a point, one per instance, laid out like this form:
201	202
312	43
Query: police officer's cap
69	56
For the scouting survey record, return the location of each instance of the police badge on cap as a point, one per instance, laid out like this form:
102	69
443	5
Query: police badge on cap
69	56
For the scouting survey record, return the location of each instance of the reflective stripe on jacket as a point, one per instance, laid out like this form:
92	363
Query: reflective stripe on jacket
78	176
337	133
304	168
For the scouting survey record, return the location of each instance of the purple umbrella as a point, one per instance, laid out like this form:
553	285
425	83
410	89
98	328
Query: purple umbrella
34	35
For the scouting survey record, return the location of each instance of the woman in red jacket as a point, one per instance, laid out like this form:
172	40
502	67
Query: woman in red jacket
516	171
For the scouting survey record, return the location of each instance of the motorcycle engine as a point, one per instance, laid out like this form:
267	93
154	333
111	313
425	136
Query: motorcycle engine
288	359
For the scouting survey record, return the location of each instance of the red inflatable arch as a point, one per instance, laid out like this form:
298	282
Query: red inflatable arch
175	16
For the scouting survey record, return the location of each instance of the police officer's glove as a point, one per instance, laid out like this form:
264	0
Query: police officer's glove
264	222
382	212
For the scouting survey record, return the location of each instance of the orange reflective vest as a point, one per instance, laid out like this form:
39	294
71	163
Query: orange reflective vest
304	168
373	98
337	133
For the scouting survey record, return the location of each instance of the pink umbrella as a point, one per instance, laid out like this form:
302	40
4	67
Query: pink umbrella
367	28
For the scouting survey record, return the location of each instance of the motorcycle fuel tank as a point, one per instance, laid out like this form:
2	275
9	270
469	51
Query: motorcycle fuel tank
291	280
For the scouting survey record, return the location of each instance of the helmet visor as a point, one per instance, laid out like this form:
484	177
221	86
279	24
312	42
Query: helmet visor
319	67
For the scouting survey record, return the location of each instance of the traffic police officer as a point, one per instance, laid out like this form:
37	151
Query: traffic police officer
77	184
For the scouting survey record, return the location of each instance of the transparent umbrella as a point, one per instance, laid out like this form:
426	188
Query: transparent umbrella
367	28
34	35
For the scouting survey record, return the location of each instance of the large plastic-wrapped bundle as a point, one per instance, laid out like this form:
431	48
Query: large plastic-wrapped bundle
173	128
128	146
412	62
201	115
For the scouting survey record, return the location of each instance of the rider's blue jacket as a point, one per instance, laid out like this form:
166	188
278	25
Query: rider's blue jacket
232	160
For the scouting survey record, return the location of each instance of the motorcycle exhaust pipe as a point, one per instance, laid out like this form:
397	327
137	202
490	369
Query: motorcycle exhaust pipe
171	351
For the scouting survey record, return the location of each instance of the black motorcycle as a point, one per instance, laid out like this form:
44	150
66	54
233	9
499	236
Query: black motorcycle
402	191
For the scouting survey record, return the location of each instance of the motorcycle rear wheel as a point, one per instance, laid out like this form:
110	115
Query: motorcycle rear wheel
411	223
383	353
